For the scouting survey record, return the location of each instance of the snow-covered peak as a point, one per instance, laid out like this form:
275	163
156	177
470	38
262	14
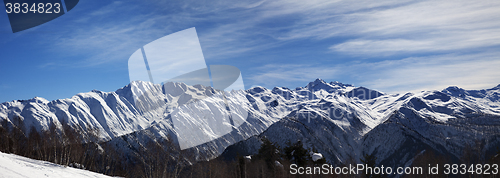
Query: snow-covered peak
143	85
319	84
497	87
38	100
492	94
341	84
436	95
257	89
280	89
332	87
284	92
318	81
455	91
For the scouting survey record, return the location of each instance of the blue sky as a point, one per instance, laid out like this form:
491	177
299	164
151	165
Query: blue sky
391	46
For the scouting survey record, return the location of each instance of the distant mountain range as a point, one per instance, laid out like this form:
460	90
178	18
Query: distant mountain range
394	128
340	121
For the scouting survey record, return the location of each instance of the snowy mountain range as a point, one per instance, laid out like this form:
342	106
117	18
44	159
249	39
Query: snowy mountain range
394	128
341	121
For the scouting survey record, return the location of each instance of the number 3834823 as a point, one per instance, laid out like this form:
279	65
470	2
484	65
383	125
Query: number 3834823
40	8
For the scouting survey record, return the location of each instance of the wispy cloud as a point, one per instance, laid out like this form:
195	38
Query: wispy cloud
48	65
101	36
462	33
107	35
450	41
379	28
474	71
427	26
235	28
414	74
289	74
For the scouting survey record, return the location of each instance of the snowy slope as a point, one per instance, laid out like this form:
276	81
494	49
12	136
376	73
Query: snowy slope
252	112
17	166
341	121
193	115
333	125
261	108
265	107
112	113
394	127
439	121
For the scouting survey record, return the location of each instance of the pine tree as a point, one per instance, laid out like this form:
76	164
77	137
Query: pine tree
370	161
296	153
269	152
34	144
4	136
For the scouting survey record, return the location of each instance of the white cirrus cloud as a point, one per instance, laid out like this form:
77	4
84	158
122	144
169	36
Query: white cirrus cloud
428	26
414	74
439	40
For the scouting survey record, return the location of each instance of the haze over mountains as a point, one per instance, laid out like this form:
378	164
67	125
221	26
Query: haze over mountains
341	121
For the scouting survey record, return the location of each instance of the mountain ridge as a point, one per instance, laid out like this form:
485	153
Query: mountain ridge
344	113
434	119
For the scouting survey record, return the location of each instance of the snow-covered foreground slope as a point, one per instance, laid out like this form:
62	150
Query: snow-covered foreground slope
13	166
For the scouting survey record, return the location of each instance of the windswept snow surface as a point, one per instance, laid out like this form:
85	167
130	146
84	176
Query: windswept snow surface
13	166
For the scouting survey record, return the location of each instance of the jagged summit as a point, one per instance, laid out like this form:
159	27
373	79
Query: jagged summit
38	100
332	87
320	82
340	84
96	91
458	89
455	91
257	89
490	94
